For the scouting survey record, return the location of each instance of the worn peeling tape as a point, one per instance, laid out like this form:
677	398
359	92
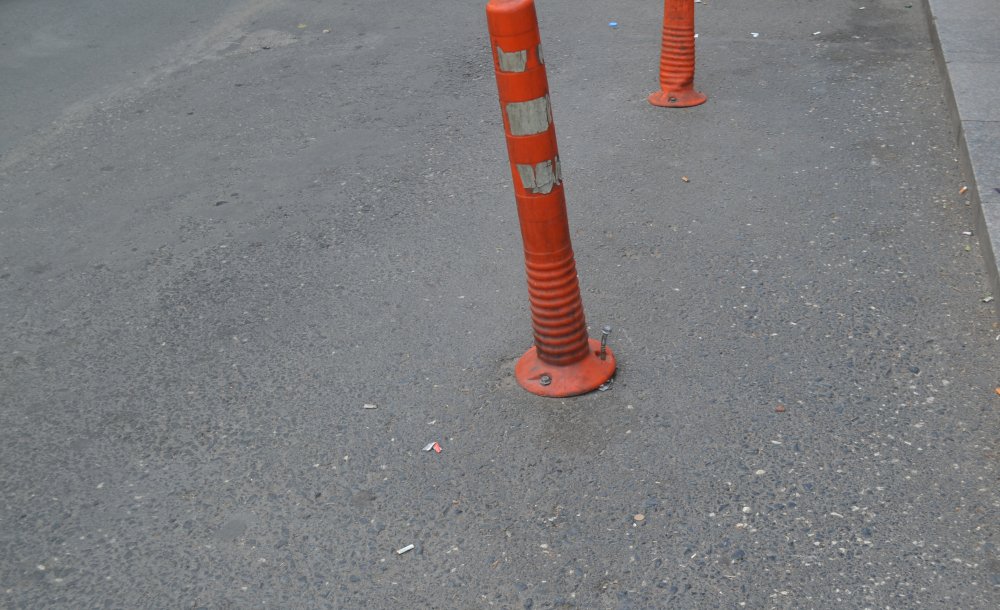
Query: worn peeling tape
542	177
514	61
529	118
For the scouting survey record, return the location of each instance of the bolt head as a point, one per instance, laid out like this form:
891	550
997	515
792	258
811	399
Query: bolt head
545	380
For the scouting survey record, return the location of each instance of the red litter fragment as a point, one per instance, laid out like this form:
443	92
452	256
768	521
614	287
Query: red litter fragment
437	447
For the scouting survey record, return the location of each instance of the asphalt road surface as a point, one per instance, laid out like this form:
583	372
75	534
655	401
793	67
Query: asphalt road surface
227	226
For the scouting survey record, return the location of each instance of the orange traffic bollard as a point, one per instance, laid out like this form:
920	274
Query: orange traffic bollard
564	361
677	58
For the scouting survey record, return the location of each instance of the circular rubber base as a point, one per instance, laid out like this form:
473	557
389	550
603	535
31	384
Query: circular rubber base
578	378
677	99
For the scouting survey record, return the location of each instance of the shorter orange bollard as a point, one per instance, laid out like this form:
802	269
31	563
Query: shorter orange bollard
564	361
677	58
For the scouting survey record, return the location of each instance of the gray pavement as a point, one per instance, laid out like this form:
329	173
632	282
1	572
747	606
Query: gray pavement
209	267
968	45
60	58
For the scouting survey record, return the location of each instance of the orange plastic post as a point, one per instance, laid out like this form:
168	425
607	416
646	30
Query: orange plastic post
564	361
677	58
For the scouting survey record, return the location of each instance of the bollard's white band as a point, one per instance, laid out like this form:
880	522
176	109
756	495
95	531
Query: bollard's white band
529	118
514	61
542	177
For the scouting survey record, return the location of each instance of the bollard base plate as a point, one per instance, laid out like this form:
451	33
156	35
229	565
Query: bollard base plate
577	378
683	98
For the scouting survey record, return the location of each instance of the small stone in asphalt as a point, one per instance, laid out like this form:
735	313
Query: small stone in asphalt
639	518
915	370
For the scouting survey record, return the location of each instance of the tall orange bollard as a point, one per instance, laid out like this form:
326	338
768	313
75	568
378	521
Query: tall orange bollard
677	58
563	361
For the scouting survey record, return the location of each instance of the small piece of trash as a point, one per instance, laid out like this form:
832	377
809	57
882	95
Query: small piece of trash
326	31
967	233
435	446
779	409
695	35
405	549
988	299
612	24
817	33
369	406
997	391
963	190
685	179
604	387
755	34
639	518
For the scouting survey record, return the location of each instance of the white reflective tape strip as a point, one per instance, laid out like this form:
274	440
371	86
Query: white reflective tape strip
529	118
527	173
542	177
545	177
512	62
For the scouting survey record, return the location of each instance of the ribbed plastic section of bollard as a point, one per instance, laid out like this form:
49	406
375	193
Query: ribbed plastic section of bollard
557	311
